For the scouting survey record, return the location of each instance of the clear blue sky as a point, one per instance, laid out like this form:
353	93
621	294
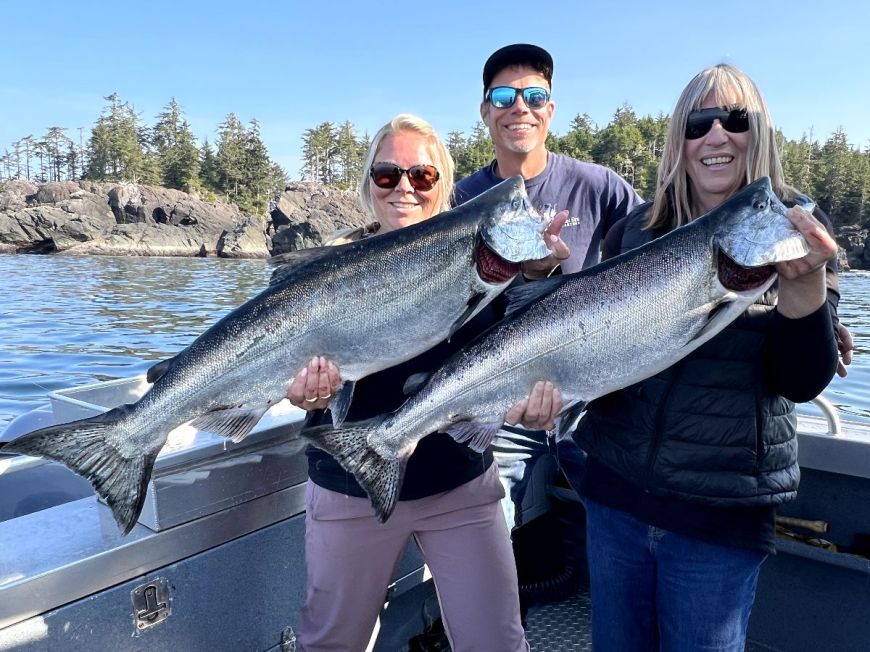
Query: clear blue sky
295	64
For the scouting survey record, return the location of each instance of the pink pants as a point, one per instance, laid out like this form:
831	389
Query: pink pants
351	558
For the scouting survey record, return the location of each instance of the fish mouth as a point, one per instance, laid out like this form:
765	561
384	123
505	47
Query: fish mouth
492	268
737	278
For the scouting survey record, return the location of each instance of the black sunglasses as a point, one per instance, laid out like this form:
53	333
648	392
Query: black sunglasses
388	175
700	122
503	97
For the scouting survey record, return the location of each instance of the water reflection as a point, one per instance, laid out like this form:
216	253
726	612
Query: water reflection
852	394
68	321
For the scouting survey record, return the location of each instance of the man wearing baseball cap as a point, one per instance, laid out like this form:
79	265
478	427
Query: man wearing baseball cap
588	198
517	108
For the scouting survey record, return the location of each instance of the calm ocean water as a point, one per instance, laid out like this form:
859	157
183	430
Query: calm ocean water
68	321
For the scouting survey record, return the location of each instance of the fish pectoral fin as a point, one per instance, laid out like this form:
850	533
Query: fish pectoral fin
520	296
719	314
475	303
380	477
568	419
415	382
157	370
340	403
478	436
235	423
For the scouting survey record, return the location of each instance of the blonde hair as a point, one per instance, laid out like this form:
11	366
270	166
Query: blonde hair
441	159
672	204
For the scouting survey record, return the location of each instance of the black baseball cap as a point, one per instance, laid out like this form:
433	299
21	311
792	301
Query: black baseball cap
518	54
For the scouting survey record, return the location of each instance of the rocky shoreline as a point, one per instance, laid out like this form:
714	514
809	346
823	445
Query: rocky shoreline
87	218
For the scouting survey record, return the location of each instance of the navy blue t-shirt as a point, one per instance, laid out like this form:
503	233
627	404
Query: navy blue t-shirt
595	196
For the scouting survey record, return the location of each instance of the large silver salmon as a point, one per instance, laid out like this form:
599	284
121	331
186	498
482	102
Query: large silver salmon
366	306
591	333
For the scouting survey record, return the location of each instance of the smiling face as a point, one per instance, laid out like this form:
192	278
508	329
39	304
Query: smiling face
716	162
403	205
518	129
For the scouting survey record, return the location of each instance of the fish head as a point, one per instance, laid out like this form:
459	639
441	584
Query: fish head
510	227
751	235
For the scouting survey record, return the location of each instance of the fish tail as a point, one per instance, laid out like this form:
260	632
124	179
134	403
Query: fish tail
380	477
83	446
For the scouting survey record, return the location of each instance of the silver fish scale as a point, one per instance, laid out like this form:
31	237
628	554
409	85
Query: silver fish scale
601	330
247	358
250	354
630	320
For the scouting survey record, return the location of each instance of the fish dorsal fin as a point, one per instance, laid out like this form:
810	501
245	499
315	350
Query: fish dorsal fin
471	308
522	295
415	382
478	436
156	371
340	403
283	265
234	423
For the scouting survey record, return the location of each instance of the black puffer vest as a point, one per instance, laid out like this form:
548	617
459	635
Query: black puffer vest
707	429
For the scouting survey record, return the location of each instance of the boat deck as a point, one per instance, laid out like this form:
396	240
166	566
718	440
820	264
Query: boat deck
566	626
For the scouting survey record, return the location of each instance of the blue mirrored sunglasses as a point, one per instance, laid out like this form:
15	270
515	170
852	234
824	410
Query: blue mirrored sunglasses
503	97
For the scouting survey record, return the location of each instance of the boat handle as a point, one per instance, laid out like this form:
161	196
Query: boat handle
829	410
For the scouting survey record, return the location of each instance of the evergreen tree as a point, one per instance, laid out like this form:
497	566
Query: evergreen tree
620	145
175	149
579	140
456	146
256	170
56	146
798	162
348	156
231	157
318	153
836	179
115	148
208	168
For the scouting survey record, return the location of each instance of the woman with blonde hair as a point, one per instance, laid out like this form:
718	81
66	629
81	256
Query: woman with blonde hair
449	501
686	468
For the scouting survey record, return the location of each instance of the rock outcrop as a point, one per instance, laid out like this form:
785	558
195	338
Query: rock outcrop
80	217
308	213
854	242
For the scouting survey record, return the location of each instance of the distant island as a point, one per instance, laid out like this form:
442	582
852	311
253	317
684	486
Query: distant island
85	218
136	189
90	218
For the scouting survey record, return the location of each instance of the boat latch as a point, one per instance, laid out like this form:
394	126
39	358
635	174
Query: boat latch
288	640
151	604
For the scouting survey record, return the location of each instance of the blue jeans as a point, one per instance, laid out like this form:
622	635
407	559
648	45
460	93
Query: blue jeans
656	590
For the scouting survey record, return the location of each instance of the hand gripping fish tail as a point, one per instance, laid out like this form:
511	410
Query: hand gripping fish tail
380	477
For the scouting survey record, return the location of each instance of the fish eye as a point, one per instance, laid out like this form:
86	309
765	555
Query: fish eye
761	205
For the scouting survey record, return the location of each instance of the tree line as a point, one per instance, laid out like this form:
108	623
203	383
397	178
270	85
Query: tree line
835	173
122	148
